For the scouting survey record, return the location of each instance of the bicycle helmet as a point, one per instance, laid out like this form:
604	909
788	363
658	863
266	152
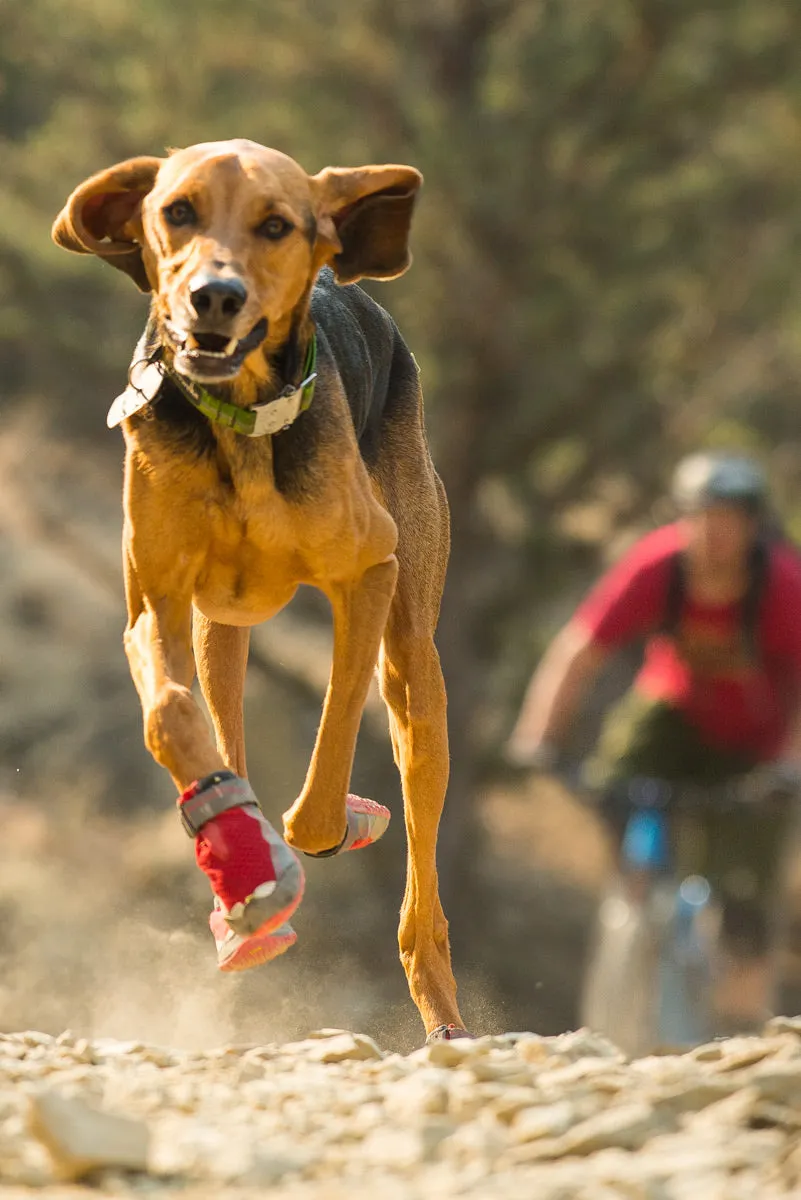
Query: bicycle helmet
705	479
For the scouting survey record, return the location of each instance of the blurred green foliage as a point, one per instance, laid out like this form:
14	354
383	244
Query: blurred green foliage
605	251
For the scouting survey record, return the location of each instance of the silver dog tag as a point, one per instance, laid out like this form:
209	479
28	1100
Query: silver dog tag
146	379
278	414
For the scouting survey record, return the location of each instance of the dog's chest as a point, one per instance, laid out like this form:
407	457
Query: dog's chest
245	545
251	562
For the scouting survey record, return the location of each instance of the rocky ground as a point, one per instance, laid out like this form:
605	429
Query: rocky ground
562	1118
103	927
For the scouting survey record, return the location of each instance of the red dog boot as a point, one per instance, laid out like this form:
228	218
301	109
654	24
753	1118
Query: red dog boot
366	822
238	953
256	879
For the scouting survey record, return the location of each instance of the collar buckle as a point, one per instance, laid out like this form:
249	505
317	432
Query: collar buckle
272	416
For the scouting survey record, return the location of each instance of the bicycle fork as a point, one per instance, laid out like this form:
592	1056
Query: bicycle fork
686	964
649	981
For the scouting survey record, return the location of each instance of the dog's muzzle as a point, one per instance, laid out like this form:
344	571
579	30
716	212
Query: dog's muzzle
212	357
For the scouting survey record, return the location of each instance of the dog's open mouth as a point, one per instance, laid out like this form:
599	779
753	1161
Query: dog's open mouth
212	357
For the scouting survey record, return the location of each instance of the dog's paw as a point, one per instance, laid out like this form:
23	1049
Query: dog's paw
447	1033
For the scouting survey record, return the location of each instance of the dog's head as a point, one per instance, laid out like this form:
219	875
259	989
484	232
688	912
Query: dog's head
229	237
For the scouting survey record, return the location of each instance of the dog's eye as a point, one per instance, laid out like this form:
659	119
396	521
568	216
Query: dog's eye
274	228
180	212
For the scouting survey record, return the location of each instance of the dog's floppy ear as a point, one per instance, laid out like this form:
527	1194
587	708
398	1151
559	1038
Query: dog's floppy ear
364	214
102	216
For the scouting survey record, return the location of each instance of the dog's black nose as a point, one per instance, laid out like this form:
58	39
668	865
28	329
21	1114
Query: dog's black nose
217	299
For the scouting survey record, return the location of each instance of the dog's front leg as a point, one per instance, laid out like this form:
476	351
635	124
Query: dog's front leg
256	880
221	660
158	643
316	822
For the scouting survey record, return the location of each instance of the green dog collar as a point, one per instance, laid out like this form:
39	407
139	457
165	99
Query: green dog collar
146	377
271	416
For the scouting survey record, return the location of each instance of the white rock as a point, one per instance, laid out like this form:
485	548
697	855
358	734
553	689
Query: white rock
583	1043
269	1167
249	1069
81	1139
31	1037
344	1046
13	1050
546	1120
201	1150
598	1072
184	1096
733	1053
784	1025
352	1099
477	1141
417	1096
508	1117
513	1100
625	1126
450	1054
500	1067
233	1050
692	1095
395	1148
778	1081
728	1113
467	1099
82	1051
110	1048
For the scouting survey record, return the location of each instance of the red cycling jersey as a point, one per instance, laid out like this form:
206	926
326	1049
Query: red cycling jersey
706	669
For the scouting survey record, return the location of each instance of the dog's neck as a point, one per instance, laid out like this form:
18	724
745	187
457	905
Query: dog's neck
265	373
275	386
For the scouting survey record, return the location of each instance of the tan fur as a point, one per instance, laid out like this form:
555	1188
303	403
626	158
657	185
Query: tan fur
216	538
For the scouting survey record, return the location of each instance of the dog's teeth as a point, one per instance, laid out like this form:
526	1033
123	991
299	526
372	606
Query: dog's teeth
193	346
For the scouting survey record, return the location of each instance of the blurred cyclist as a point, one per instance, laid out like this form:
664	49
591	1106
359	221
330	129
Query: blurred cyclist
717	597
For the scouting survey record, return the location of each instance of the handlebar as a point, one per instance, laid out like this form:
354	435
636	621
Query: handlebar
757	790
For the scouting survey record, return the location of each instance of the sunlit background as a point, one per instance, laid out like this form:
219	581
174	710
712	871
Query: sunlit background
605	275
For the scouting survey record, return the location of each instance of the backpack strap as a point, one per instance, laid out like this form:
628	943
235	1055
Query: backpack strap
758	568
674	594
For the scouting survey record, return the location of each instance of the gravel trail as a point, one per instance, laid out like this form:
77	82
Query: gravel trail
333	1116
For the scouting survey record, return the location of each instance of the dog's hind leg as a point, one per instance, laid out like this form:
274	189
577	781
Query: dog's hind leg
414	691
221	658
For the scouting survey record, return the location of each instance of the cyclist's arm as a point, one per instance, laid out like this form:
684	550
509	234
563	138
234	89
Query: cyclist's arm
555	693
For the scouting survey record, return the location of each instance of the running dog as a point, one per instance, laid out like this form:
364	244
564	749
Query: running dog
274	437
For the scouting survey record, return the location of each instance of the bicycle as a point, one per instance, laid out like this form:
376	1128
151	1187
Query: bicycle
649	981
